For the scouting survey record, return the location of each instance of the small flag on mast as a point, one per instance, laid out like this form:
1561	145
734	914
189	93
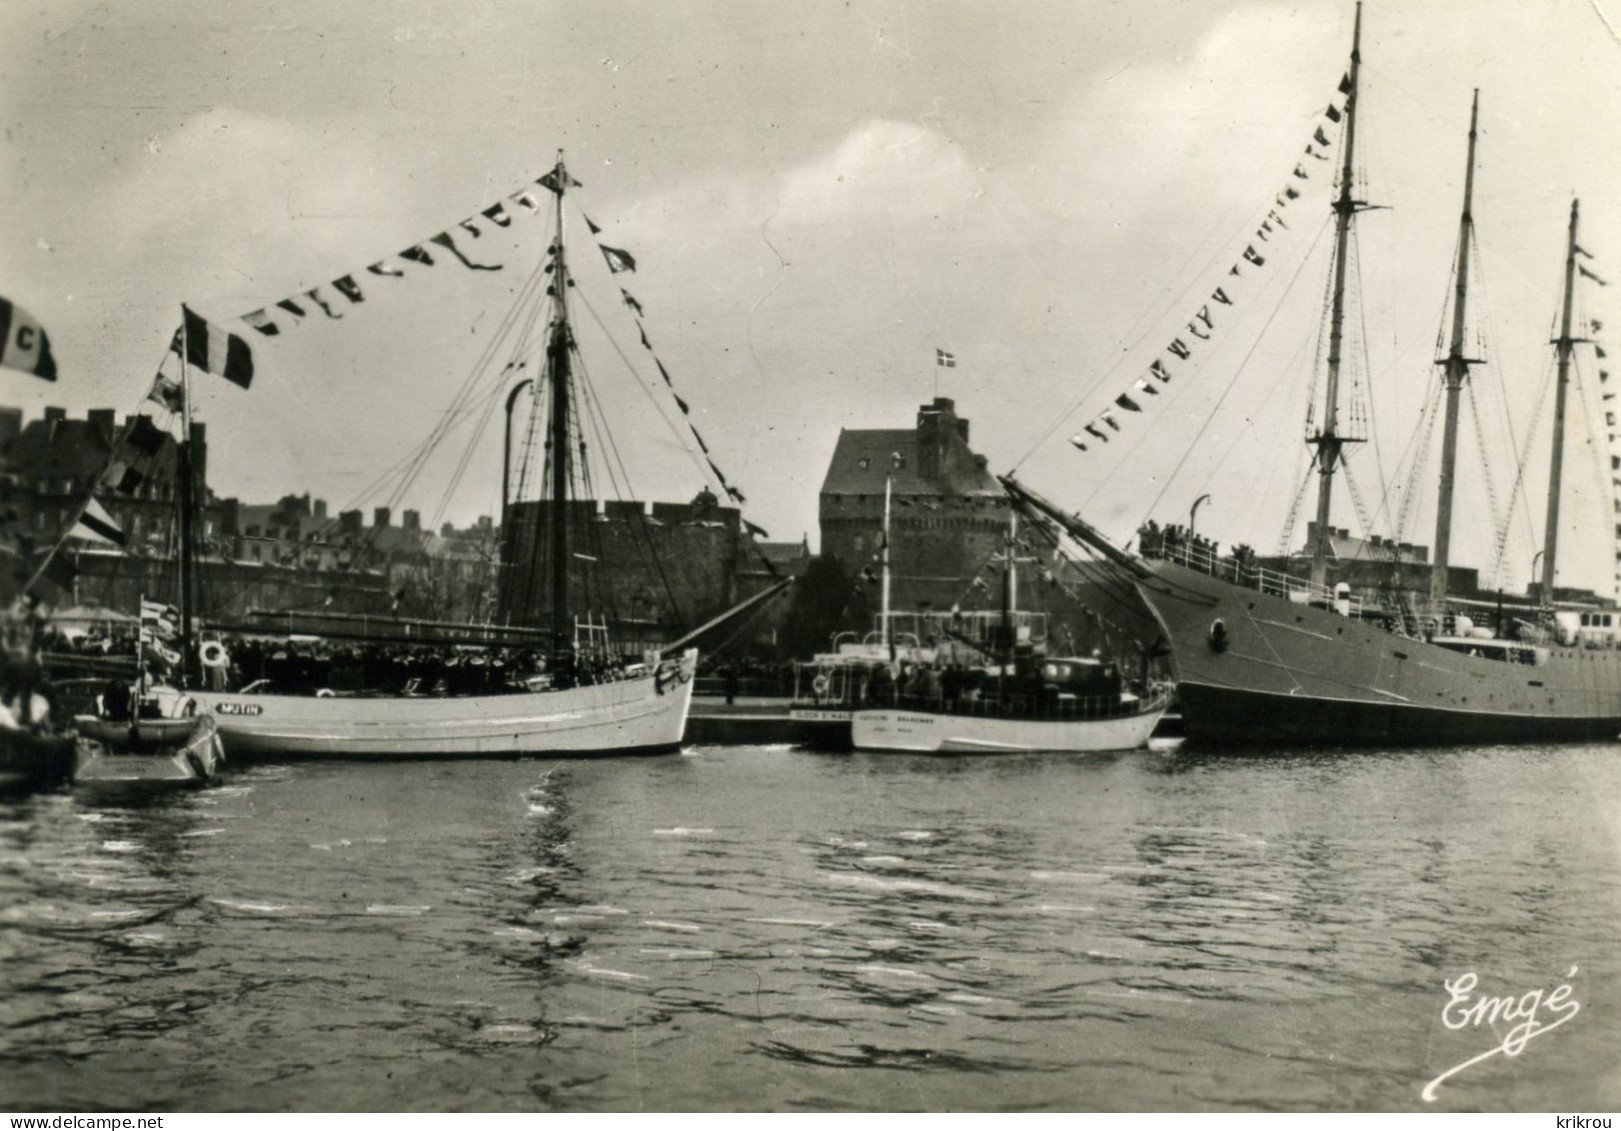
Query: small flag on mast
217	351
945	360
97	525
23	344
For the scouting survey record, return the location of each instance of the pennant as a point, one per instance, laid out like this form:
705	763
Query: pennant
262	322
1291	192
96	525
737	495
757	531
161	619
595	231
1603	374
1595	324
378	269
215	351
1158	370
23	344
1092	430
685	411
645	343
1598	351
1143	386
346	286
1076	440
1180	349
1320	137
167	391
1255	258
443	240
60	572
631	302
495	214
712	466
144	436
1583	252
1345	84
618	259
315	297
1586	274
1264	231
291	307
1233	270
122	478
945	360
416	254
526	200
1333	112
664	373
557	180
704	446
1273	217
1108	418
1310	152
1127	403
1301	173
1221	296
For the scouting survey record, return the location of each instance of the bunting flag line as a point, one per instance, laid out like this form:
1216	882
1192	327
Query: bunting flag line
23	344
1201	327
217	351
96	525
168	392
443	240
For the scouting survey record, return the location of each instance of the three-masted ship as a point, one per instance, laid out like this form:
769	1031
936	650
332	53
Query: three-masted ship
1263	657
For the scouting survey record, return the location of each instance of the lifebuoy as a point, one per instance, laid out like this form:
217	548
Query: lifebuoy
820	685
1217	637
213	655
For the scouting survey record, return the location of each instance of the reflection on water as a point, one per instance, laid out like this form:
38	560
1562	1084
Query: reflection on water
748	928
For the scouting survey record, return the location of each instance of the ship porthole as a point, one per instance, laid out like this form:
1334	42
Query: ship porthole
1218	636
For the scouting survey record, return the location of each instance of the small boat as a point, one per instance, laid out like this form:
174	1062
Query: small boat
1025	701
169	745
1067	704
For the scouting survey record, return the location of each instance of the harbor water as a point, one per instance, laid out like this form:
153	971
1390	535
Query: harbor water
770	928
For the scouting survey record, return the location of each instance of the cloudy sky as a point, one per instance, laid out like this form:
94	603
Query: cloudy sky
819	195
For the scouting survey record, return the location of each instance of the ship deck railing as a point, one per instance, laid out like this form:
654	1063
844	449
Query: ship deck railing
1042	707
1205	558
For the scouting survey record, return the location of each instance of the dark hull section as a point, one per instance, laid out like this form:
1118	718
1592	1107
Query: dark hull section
1230	717
1257	669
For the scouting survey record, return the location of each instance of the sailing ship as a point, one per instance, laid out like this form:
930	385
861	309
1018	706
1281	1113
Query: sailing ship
1263	657
582	700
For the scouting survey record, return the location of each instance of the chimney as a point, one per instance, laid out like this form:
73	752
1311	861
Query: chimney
448	530
320	508
485	522
935	423
380	517
349	522
11	426
413	520
53	417
103	421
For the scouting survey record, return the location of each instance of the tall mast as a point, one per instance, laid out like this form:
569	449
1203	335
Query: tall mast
186	501
557	363
1329	442
1010	582
1457	370
885	637
1563	345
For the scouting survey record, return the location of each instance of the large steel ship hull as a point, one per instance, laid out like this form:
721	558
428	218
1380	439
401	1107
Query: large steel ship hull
641	715
1282	673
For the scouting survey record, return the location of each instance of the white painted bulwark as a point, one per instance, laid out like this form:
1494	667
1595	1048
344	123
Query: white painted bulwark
645	713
